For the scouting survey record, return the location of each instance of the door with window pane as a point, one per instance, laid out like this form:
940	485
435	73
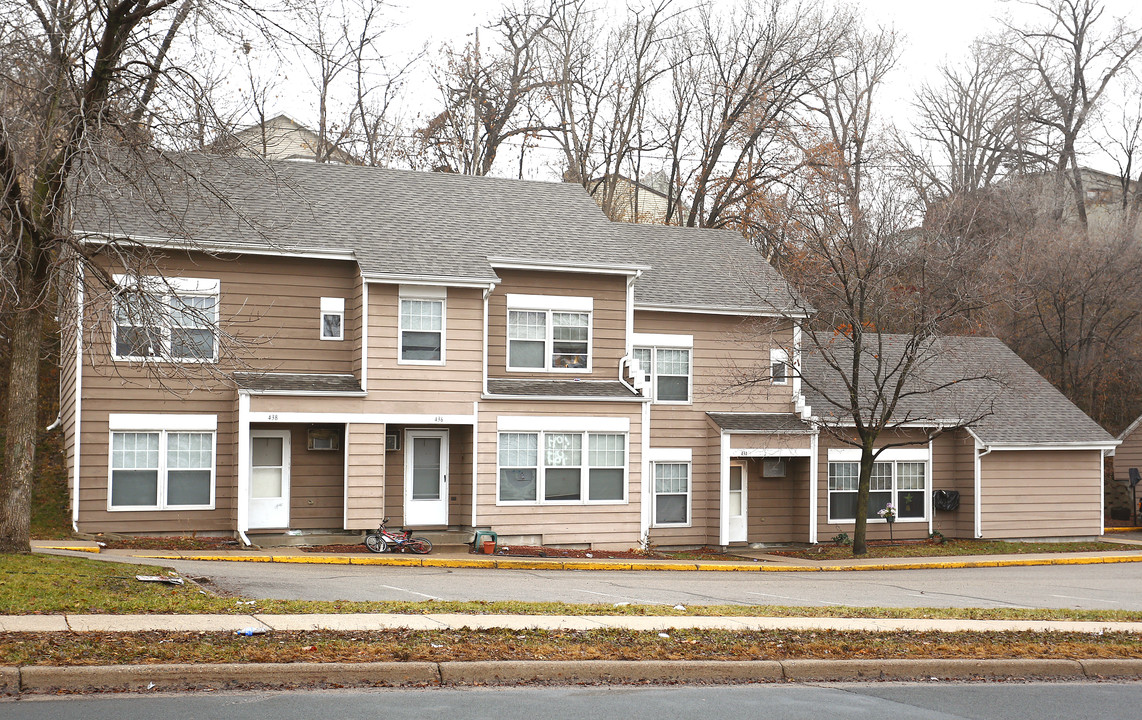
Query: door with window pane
737	504
426	477
269	479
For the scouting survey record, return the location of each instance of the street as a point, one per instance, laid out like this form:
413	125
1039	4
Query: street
1092	587
935	701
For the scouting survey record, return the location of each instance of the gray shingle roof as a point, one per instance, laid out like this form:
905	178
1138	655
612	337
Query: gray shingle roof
413	224
610	389
297	382
761	422
1019	406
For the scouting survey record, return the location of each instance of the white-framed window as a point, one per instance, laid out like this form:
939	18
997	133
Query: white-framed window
671	494
165	318
332	318
898	477
778	366
161	469
422	325
562	467
549	333
668	372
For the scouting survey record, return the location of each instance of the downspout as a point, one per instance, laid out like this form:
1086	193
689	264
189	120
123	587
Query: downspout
243	499
55	423
487	293
814	486
978	486
77	406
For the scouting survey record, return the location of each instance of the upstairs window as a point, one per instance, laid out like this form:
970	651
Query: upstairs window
422	318
172	319
665	363
549	333
332	318
778	367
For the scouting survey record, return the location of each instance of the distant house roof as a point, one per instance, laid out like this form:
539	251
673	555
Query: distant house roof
279	138
408	226
608	389
1019	406
781	423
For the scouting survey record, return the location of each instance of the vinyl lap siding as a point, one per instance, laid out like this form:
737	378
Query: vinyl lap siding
436	389
601	526
1043	493
725	348
608	319
365	482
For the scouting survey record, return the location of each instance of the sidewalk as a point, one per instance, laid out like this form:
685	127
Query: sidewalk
365	622
751	560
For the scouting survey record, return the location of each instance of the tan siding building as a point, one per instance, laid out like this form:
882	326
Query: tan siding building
470	353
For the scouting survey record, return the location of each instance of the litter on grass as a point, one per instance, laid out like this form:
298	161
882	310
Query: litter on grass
159	579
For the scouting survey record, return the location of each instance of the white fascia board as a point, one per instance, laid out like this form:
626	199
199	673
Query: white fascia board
569	423
94	238
997	447
771	452
161	421
717	310
670	455
308	393
594	268
663	340
892	454
564	398
363	418
407	279
566	303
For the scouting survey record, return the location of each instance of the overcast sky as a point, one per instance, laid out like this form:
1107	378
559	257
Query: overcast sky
933	32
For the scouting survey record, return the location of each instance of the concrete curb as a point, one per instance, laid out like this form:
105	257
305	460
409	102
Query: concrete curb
540	564
119	678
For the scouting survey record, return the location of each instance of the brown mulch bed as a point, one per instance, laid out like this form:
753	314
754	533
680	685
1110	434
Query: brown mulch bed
118	542
97	648
552	552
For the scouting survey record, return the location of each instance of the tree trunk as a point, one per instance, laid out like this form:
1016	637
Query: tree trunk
22	429
860	524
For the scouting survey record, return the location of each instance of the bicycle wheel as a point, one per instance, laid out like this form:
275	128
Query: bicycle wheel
376	543
420	546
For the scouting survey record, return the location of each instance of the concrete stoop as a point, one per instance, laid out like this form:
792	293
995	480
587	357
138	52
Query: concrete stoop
161	678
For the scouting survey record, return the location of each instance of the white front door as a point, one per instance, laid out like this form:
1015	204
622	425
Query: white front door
269	479
737	508
426	477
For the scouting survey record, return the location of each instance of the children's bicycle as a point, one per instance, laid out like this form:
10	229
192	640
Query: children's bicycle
382	540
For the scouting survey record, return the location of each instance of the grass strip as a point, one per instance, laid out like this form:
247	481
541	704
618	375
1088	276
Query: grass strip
49	584
501	644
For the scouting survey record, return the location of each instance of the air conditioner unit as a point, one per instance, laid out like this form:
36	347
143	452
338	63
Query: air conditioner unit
323	438
773	467
392	441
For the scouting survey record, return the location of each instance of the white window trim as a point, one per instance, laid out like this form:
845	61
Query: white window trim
178	286
893	456
585	467
423	292
163	426
531	423
332	306
654	493
653	370
550	304
777	355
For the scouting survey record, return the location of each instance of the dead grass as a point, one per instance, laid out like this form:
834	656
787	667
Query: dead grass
930	548
460	645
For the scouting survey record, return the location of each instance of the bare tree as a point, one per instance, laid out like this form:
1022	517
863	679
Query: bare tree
973	127
1075	55
490	95
740	79
885	295
603	86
